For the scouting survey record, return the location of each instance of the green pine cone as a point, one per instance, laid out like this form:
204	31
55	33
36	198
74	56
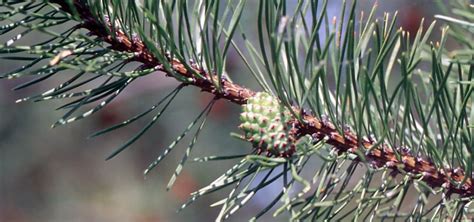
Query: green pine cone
265	123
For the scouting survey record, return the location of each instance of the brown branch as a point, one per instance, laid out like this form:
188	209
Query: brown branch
378	157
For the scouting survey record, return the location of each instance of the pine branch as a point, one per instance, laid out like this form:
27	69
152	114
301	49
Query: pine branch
377	154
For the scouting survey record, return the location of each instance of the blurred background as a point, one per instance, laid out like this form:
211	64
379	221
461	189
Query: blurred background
60	175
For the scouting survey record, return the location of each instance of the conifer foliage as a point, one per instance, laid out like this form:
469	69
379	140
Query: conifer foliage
352	116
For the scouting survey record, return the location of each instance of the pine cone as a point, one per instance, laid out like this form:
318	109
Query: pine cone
266	124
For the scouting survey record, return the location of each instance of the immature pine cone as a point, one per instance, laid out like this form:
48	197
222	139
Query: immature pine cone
266	123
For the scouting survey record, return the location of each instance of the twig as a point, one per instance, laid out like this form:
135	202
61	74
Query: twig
378	157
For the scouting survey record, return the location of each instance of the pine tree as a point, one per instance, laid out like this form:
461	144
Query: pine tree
385	113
